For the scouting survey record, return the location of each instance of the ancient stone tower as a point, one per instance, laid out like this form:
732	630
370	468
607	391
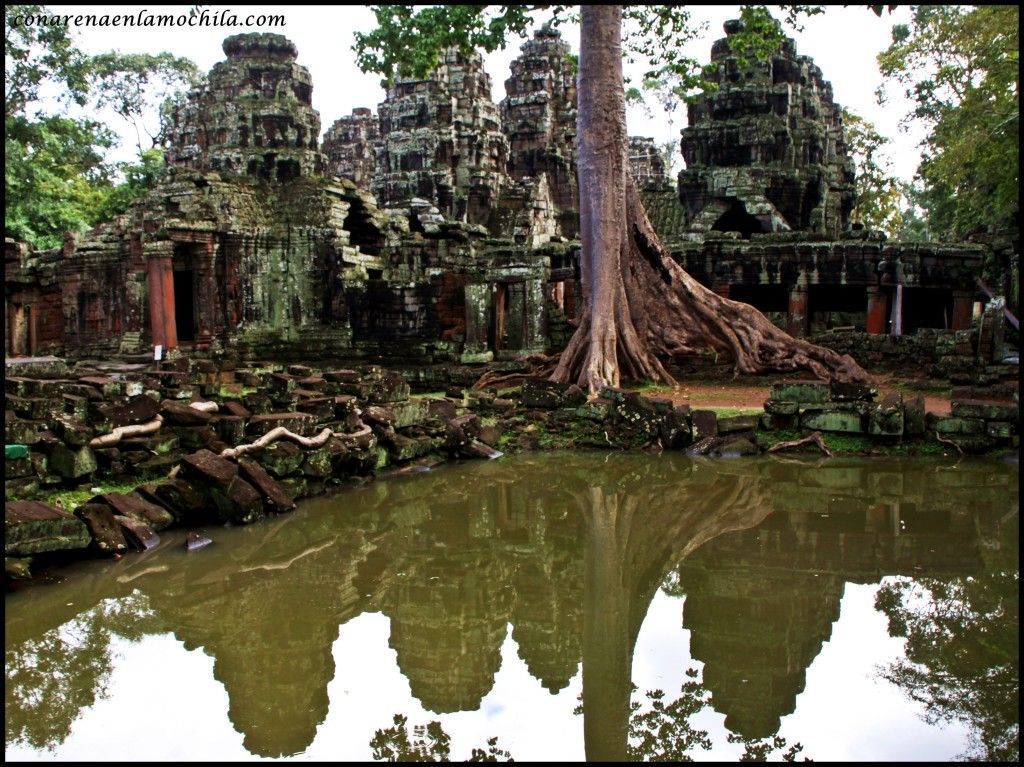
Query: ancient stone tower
441	141
252	116
538	115
765	152
349	146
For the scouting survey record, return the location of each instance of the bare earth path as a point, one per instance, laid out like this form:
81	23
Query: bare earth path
750	393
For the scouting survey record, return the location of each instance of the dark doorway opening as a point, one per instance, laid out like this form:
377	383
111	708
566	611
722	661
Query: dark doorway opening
927	308
184	305
736	219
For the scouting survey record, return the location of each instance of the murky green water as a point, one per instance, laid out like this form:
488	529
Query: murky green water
865	610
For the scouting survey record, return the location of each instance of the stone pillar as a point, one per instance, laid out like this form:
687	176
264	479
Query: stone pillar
797	316
155	278
167	297
205	294
878	311
962	305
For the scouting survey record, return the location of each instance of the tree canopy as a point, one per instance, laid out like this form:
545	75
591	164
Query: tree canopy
960	68
56	176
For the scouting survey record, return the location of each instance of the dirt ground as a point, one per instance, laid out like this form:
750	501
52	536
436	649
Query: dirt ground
750	394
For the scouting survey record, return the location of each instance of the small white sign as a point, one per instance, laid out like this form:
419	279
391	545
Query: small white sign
158	352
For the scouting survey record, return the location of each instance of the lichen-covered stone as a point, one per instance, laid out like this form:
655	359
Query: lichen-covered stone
833	419
801	391
947	425
886	418
72	464
32	527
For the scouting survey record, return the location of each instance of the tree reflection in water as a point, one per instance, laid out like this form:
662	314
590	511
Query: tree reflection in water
962	654
428	743
569	551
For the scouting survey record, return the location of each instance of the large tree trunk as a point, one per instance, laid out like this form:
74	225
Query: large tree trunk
639	304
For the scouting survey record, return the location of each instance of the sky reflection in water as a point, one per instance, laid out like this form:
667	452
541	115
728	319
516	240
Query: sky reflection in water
498	598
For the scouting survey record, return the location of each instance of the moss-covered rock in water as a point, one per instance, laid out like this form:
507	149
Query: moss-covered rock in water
31	527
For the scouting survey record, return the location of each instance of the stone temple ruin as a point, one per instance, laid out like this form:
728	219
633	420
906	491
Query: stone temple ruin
442	230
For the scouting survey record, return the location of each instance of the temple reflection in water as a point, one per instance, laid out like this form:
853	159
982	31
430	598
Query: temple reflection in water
568	556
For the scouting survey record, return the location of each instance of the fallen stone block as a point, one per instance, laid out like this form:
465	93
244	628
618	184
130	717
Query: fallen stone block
847	392
274	495
137	533
914	423
988	410
138	409
737	423
777	407
947	425
833	420
135	506
462	429
206	467
280	458
705	424
72	464
106	533
31	527
239	502
801	391
733	446
548	395
302	424
1002	430
180	414
886	418
178	496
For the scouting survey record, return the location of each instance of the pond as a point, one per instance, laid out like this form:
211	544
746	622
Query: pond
551	607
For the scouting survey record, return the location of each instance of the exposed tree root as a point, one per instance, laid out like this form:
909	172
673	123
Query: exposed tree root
945	441
657	311
539	366
810	439
124	432
282	433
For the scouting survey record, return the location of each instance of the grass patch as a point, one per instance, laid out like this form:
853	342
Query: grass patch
69	500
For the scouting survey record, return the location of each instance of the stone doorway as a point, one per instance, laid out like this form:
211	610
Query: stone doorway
184	305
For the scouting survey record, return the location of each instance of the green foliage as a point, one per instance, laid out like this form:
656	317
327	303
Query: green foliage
962	653
429	743
56	178
661	732
408	40
959	65
880	199
760	750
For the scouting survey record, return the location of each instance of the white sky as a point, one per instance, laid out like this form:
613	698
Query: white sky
843	42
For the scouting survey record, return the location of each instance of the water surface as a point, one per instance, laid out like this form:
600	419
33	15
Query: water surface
602	606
